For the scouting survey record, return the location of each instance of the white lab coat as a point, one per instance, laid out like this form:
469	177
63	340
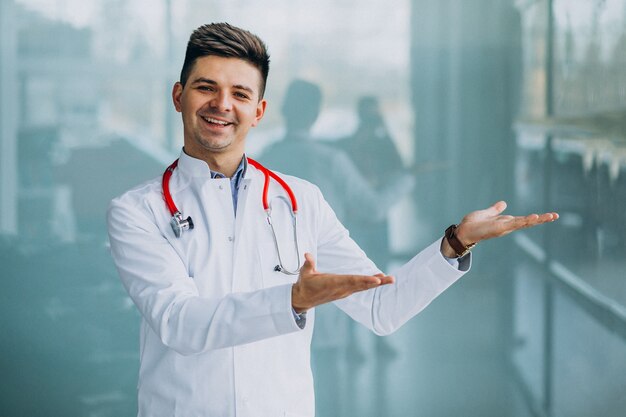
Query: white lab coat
218	337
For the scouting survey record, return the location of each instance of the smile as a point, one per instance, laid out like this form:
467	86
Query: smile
216	121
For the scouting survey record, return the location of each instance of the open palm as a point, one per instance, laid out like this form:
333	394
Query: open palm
490	222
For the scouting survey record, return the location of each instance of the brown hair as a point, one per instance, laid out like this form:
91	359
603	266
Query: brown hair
222	39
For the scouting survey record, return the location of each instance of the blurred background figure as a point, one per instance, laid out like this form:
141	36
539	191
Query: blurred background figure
374	153
299	153
482	99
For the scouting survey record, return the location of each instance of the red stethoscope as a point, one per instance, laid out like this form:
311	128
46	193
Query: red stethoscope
180	224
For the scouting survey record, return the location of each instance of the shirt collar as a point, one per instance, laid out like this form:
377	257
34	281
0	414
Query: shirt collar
237	176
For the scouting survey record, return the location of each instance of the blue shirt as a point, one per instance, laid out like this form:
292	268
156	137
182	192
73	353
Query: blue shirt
235	180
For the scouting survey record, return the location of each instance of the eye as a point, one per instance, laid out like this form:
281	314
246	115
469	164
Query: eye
205	88
242	95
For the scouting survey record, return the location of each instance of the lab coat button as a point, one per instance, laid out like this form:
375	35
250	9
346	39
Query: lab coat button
230	238
221	187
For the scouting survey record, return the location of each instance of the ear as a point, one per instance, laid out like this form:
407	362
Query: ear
177	92
260	111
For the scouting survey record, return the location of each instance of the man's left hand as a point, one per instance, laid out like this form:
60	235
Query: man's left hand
489	223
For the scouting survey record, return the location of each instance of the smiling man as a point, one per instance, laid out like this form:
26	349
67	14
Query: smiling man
220	99
226	328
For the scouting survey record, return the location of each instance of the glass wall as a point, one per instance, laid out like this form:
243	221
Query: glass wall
571	313
433	108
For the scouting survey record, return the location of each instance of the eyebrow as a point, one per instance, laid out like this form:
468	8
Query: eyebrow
202	80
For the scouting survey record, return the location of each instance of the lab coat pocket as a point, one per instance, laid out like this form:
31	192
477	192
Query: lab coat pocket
270	264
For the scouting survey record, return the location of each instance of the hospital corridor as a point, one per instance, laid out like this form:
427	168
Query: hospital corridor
407	117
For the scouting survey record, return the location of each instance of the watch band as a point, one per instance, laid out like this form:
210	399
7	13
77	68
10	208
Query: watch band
459	248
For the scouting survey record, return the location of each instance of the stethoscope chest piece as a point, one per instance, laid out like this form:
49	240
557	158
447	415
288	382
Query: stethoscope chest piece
179	224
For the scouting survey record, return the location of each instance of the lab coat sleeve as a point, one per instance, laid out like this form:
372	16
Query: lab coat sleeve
384	309
157	281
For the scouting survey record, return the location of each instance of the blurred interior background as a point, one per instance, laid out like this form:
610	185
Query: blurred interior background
474	101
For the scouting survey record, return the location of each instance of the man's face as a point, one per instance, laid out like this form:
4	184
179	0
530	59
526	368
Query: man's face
219	104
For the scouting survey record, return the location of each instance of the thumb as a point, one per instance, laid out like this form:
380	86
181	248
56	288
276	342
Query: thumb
309	263
496	208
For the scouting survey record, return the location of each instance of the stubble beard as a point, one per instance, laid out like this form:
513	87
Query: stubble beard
213	144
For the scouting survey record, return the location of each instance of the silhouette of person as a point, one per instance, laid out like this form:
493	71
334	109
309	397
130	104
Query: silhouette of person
346	189
375	155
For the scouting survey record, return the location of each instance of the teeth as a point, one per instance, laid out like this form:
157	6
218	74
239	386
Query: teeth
219	122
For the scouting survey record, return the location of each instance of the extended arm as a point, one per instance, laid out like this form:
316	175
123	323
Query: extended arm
386	307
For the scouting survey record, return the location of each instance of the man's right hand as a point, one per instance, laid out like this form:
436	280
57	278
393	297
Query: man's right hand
314	288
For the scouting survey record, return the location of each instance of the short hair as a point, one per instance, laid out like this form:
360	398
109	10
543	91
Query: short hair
224	40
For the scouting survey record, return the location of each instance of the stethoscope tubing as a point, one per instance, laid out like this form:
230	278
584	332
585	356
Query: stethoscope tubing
166	188
179	223
267	174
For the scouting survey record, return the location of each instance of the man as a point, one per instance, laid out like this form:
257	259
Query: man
223	331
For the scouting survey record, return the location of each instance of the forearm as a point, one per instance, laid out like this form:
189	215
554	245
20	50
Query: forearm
193	325
418	283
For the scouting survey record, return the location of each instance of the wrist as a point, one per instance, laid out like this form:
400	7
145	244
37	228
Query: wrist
446	249
459	232
458	246
296	304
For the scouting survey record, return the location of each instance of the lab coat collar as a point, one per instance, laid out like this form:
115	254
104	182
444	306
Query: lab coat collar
194	167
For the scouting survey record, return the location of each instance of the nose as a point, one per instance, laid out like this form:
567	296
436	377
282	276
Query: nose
221	101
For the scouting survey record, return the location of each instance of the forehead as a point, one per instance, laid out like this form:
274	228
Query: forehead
226	72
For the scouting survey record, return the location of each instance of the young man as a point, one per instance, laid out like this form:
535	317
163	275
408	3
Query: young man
224	330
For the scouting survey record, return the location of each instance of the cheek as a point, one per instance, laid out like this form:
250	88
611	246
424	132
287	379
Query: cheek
189	109
252	116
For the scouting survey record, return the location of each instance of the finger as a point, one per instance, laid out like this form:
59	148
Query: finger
551	216
521	222
309	263
548	217
367	282
543	218
533	220
496	208
387	279
361	282
492	211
